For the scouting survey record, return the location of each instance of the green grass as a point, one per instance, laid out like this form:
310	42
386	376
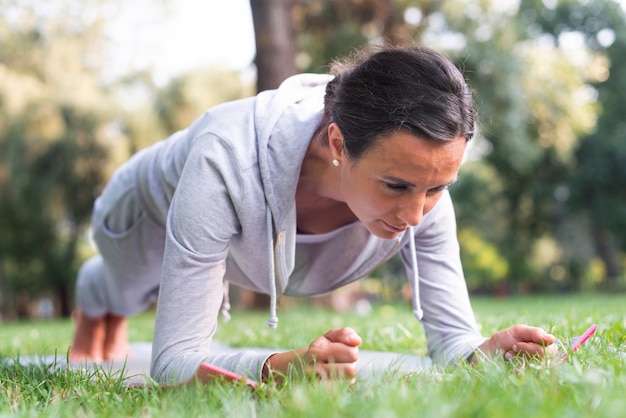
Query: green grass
591	383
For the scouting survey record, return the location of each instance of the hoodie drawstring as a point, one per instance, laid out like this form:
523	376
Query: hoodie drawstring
225	308
272	322
415	284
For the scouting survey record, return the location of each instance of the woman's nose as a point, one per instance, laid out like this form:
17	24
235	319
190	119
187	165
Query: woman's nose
412	210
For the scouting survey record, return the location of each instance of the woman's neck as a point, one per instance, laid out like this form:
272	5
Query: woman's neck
319	180
319	202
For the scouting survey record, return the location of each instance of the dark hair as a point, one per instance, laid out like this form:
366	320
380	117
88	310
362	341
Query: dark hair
414	89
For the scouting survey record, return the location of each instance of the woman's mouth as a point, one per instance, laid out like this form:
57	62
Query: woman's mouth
393	228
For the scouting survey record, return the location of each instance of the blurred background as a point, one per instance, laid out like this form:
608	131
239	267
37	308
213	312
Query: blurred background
541	199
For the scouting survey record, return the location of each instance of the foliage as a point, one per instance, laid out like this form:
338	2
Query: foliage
591	382
63	131
528	119
482	264
331	29
601	156
53	124
534	97
478	200
547	165
186	97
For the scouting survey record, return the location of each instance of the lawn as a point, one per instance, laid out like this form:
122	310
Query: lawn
591	383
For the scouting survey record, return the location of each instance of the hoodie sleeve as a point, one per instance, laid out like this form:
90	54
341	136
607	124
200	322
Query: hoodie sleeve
449	324
201	222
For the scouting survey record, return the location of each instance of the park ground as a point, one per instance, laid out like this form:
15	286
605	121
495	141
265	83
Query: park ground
592	382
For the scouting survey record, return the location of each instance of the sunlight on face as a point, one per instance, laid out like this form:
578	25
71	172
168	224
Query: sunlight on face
399	180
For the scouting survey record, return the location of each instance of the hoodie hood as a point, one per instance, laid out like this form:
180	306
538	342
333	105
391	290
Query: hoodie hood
296	106
300	99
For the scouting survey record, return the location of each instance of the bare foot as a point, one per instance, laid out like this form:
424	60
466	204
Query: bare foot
88	337
116	345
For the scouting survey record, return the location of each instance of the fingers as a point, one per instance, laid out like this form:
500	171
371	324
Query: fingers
336	346
334	354
535	335
346	336
323	350
529	349
519	340
552	350
523	340
530	341
333	370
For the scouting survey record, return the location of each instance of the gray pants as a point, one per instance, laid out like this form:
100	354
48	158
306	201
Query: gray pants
124	277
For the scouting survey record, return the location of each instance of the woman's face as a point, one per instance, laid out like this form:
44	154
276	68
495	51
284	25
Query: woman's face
399	180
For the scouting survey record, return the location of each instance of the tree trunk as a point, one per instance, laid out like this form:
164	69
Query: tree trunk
275	41
275	61
7	299
605	249
394	28
65	301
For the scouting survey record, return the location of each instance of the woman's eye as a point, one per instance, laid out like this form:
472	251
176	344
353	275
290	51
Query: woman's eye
437	190
395	187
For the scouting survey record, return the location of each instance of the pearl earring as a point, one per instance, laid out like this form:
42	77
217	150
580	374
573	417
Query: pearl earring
335	162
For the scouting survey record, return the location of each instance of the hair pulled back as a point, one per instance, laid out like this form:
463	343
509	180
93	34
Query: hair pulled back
413	89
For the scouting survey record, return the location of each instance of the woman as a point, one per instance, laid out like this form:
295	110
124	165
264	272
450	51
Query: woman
296	191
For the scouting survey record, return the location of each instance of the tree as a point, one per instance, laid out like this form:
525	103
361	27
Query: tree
533	110
53	125
530	95
331	29
275	41
186	97
597	180
275	59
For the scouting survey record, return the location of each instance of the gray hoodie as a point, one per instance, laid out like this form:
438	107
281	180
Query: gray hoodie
225	190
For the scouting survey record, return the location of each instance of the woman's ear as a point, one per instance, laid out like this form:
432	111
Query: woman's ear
335	142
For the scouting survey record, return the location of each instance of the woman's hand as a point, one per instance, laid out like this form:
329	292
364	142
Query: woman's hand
333	355
520	340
